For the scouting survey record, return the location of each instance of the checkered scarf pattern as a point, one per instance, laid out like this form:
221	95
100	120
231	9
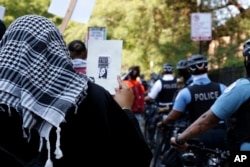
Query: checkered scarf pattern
36	74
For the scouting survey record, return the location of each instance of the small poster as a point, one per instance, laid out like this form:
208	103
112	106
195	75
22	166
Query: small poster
97	33
104	62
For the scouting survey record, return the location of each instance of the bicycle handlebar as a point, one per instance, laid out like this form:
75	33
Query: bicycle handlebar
218	152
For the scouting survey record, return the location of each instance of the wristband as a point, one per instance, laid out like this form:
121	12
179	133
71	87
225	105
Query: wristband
177	141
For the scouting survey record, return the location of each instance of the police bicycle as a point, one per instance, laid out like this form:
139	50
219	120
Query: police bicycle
150	118
163	145
198	155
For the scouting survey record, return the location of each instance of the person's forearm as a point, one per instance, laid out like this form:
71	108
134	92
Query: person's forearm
172	117
148	98
201	125
168	120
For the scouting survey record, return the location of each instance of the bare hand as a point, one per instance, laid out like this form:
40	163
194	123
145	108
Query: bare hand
124	94
177	146
161	126
163	109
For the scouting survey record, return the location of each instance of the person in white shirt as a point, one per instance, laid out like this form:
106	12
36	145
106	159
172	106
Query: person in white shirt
164	88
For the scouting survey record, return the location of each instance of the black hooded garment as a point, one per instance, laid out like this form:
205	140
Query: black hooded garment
99	134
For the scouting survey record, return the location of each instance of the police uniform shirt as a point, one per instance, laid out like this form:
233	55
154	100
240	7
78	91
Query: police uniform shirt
231	99
189	81
184	96
155	90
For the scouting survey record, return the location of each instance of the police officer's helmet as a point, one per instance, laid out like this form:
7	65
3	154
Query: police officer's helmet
197	64
168	68
182	64
153	76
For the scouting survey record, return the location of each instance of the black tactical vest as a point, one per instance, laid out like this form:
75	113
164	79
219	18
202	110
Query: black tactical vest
202	97
167	91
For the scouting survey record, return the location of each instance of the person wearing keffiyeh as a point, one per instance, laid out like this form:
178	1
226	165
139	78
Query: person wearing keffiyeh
46	108
37	77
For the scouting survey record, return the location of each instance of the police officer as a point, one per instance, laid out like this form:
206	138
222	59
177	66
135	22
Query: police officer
184	73
233	103
196	99
185	77
163	89
170	156
161	93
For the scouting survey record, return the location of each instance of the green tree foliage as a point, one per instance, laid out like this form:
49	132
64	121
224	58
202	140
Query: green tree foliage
153	31
17	8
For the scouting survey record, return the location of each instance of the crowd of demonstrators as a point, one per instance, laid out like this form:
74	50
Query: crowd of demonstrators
50	108
56	116
131	79
193	100
233	107
78	54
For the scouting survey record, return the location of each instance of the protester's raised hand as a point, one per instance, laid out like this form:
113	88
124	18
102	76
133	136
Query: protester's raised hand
124	94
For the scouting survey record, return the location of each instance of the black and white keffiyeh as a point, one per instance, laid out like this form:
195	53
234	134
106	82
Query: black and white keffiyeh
37	76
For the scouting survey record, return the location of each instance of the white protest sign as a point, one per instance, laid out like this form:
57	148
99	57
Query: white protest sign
244	3
104	62
81	13
201	26
2	12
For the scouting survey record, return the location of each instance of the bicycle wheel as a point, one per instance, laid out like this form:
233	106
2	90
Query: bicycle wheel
159	148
